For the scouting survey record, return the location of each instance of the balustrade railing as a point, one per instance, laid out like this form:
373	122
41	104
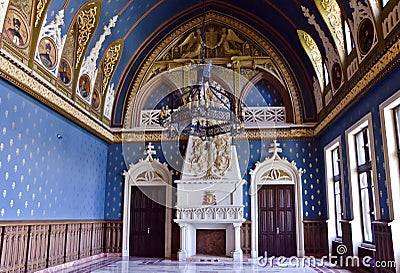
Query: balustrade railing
253	116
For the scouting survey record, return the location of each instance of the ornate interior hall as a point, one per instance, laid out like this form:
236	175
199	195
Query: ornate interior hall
199	135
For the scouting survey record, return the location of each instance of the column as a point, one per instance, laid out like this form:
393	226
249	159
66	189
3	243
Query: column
237	254
182	253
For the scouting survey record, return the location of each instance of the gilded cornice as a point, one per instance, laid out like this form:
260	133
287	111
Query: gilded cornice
251	135
373	73
160	49
32	85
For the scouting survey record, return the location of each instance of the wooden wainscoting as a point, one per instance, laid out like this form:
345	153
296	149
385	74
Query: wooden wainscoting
384	246
15	244
31	246
245	237
316	238
113	237
38	245
72	249
57	244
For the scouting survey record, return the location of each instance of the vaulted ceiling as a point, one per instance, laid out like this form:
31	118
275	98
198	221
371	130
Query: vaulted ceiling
106	44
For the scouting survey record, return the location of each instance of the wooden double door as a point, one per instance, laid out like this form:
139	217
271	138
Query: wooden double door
147	222
276	221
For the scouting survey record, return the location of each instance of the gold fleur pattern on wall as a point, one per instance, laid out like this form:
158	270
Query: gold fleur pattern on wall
248	154
47	177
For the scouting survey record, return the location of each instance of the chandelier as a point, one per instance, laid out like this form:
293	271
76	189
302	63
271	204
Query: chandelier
208	110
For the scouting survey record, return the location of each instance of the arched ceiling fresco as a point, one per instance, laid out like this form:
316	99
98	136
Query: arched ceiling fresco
93	54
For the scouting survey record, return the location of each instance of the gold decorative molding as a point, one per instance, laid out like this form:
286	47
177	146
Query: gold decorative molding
45	94
86	24
334	16
39	10
250	135
372	73
111	58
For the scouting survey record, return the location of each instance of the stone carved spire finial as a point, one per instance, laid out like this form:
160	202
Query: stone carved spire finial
149	152
275	148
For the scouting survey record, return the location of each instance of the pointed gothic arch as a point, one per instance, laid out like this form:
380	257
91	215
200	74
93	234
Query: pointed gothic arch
275	170
147	172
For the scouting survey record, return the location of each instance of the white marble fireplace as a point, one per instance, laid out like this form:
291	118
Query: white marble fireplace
209	195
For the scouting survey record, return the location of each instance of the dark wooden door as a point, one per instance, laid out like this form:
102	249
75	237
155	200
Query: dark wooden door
147	223
276	221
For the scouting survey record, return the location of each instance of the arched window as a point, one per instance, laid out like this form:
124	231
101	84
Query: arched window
326	76
384	3
348	38
314	54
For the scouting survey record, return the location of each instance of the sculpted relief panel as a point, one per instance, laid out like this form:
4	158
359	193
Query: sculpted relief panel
221	43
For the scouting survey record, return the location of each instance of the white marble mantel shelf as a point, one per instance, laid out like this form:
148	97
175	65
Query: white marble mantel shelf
213	213
210	181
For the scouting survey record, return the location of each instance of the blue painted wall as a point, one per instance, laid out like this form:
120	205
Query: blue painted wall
264	94
369	103
306	154
41	176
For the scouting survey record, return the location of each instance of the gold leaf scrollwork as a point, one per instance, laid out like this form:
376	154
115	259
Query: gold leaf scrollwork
86	24
110	60
39	10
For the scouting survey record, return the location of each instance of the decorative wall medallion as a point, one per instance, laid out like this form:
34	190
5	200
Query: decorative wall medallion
48	53
209	198
365	35
15	29
64	72
96	100
84	86
336	76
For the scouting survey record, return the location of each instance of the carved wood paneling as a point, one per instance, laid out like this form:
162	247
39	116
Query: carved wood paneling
97	238
316	238
383	245
57	244
72	248
15	244
33	246
113	239
38	245
85	240
245	237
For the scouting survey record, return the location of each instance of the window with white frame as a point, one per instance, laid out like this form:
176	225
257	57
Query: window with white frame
326	76
390	122
364	170
385	2
334	186
361	165
336	176
397	125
